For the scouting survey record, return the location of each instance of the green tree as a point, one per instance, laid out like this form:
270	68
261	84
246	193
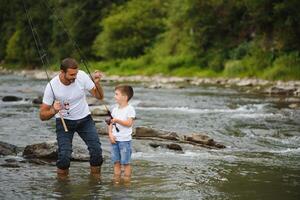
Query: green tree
131	29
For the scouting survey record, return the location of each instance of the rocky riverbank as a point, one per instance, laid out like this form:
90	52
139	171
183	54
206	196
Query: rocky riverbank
285	88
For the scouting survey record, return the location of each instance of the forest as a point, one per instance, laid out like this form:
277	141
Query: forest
204	38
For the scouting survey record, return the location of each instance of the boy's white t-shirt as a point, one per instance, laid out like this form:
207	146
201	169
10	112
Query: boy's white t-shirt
125	132
72	97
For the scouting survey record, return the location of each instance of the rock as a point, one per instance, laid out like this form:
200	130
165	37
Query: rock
11	98
10	165
201	139
294	105
154	145
245	82
297	92
149	132
169	136
98	110
145	132
38	100
8	149
281	90
174	146
195	139
46	150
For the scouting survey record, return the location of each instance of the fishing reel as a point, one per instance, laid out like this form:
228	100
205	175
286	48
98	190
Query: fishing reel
108	122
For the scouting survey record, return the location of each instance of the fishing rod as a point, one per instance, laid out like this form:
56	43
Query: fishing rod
43	57
84	60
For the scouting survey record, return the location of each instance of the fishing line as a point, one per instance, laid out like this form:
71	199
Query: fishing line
42	55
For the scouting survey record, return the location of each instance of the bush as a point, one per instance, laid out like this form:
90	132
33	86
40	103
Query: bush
285	67
235	68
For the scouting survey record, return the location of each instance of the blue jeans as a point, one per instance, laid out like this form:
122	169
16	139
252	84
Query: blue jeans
87	131
121	152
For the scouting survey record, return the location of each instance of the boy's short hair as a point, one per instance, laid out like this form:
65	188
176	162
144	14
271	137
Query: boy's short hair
68	63
125	90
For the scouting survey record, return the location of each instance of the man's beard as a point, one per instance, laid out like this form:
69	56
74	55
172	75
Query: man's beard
70	80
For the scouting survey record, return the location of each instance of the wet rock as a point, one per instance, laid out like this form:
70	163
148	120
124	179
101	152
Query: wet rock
280	90
201	139
141	132
10	165
38	100
294	105
154	145
8	149
169	136
11	98
174	146
145	132
195	139
11	160
46	150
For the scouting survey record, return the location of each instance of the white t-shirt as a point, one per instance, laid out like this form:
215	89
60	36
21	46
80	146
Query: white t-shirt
72	97
125	113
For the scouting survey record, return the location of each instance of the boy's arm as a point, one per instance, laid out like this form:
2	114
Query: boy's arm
112	138
128	122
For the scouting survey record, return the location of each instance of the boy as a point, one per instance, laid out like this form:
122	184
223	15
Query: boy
120	130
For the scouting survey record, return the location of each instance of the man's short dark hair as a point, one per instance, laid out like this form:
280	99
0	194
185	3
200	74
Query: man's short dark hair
68	63
125	90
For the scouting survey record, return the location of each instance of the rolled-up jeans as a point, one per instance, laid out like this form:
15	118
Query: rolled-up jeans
86	129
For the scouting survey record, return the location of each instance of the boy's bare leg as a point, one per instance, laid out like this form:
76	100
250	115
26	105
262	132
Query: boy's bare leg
117	172
127	172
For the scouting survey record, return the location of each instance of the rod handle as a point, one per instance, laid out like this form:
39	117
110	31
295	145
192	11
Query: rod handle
63	122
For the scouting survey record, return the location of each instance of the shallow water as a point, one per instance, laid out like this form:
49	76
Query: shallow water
261	161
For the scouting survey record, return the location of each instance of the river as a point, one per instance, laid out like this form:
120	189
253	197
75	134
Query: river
261	161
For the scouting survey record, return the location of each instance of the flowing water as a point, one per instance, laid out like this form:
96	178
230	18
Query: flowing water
261	161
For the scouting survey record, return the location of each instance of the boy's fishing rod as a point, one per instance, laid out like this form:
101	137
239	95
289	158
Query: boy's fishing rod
43	56
83	59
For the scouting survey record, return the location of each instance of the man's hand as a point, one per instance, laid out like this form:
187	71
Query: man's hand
57	106
97	75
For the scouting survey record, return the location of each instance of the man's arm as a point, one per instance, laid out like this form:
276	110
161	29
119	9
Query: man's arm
47	112
97	91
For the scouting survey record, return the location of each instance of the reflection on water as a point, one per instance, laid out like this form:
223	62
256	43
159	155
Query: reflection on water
261	161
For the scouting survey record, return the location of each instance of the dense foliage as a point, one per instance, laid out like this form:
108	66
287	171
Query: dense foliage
253	38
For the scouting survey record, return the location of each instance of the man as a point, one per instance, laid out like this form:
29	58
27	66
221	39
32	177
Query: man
65	97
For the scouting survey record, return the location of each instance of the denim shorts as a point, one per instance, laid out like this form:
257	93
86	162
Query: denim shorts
121	152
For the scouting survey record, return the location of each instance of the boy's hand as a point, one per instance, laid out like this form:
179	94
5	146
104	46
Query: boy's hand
112	138
114	120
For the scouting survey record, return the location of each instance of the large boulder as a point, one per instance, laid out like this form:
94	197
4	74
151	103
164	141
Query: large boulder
48	150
